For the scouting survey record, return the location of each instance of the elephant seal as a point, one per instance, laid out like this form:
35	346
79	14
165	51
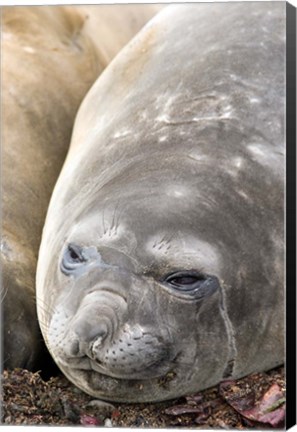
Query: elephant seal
50	58
160	270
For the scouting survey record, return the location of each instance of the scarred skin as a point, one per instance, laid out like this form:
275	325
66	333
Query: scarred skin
161	262
50	56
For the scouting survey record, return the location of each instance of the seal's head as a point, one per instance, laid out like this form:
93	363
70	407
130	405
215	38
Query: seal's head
137	307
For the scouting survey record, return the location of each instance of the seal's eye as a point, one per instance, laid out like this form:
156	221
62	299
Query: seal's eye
74	253
191	283
73	258
185	280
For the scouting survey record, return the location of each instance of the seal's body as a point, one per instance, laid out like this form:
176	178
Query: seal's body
50	58
161	261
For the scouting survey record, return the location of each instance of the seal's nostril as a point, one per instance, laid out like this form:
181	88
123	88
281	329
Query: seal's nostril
96	338
95	346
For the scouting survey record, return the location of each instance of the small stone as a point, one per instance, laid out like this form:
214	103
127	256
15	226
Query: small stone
108	423
103	408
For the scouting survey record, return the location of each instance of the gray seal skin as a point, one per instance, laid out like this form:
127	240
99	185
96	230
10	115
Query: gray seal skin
161	261
50	58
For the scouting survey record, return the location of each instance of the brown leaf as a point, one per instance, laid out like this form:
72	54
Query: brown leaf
194	399
241	403
269	410
202	417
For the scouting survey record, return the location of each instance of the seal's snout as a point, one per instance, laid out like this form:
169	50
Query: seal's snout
93	324
102	337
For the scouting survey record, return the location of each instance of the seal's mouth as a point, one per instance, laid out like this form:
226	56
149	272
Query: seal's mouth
124	389
86	365
155	370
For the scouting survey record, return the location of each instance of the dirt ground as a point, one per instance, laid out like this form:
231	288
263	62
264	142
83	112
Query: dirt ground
254	402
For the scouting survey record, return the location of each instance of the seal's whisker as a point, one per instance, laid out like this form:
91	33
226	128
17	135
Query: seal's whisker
113	225
103	222
43	306
4	293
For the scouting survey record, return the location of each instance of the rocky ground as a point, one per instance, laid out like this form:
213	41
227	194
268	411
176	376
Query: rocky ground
255	402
